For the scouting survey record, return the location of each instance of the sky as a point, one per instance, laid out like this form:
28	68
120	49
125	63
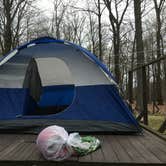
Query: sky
46	6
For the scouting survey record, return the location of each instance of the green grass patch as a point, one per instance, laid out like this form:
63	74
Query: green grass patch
155	121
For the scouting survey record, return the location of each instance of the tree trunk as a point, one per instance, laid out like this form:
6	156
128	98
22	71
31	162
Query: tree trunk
141	74
8	28
116	43
91	23
99	31
158	38
130	82
162	127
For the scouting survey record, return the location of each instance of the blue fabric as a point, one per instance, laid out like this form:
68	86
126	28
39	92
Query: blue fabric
14	102
99	102
56	95
41	40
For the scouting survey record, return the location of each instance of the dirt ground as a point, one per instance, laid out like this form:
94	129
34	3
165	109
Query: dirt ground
153	109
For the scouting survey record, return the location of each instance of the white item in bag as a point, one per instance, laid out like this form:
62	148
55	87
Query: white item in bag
52	143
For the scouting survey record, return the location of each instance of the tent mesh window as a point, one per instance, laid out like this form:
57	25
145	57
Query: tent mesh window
50	84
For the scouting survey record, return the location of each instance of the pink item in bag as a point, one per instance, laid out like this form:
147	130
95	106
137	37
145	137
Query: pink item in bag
52	143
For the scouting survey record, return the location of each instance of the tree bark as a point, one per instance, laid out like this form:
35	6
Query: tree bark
116	41
141	74
162	127
99	31
158	40
130	81
8	26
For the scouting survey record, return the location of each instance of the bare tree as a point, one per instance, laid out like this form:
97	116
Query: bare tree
141	74
99	14
73	27
92	33
97	9
58	15
11	14
116	21
158	8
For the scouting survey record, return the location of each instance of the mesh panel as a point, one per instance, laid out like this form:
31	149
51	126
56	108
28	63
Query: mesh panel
83	70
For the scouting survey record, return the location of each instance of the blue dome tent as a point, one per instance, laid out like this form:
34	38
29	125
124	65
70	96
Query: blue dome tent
49	81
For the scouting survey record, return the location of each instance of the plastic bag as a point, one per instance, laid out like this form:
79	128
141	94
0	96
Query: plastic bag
52	143
55	143
83	145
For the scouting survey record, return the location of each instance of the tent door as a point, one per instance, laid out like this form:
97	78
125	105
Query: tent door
50	84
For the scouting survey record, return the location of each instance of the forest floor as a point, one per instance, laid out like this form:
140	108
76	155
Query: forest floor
156	115
155	121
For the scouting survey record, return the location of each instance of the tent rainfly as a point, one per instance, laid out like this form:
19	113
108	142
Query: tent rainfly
49	81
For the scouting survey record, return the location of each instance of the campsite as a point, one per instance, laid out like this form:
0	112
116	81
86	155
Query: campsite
82	82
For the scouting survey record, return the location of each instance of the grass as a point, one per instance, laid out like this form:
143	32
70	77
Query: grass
155	121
